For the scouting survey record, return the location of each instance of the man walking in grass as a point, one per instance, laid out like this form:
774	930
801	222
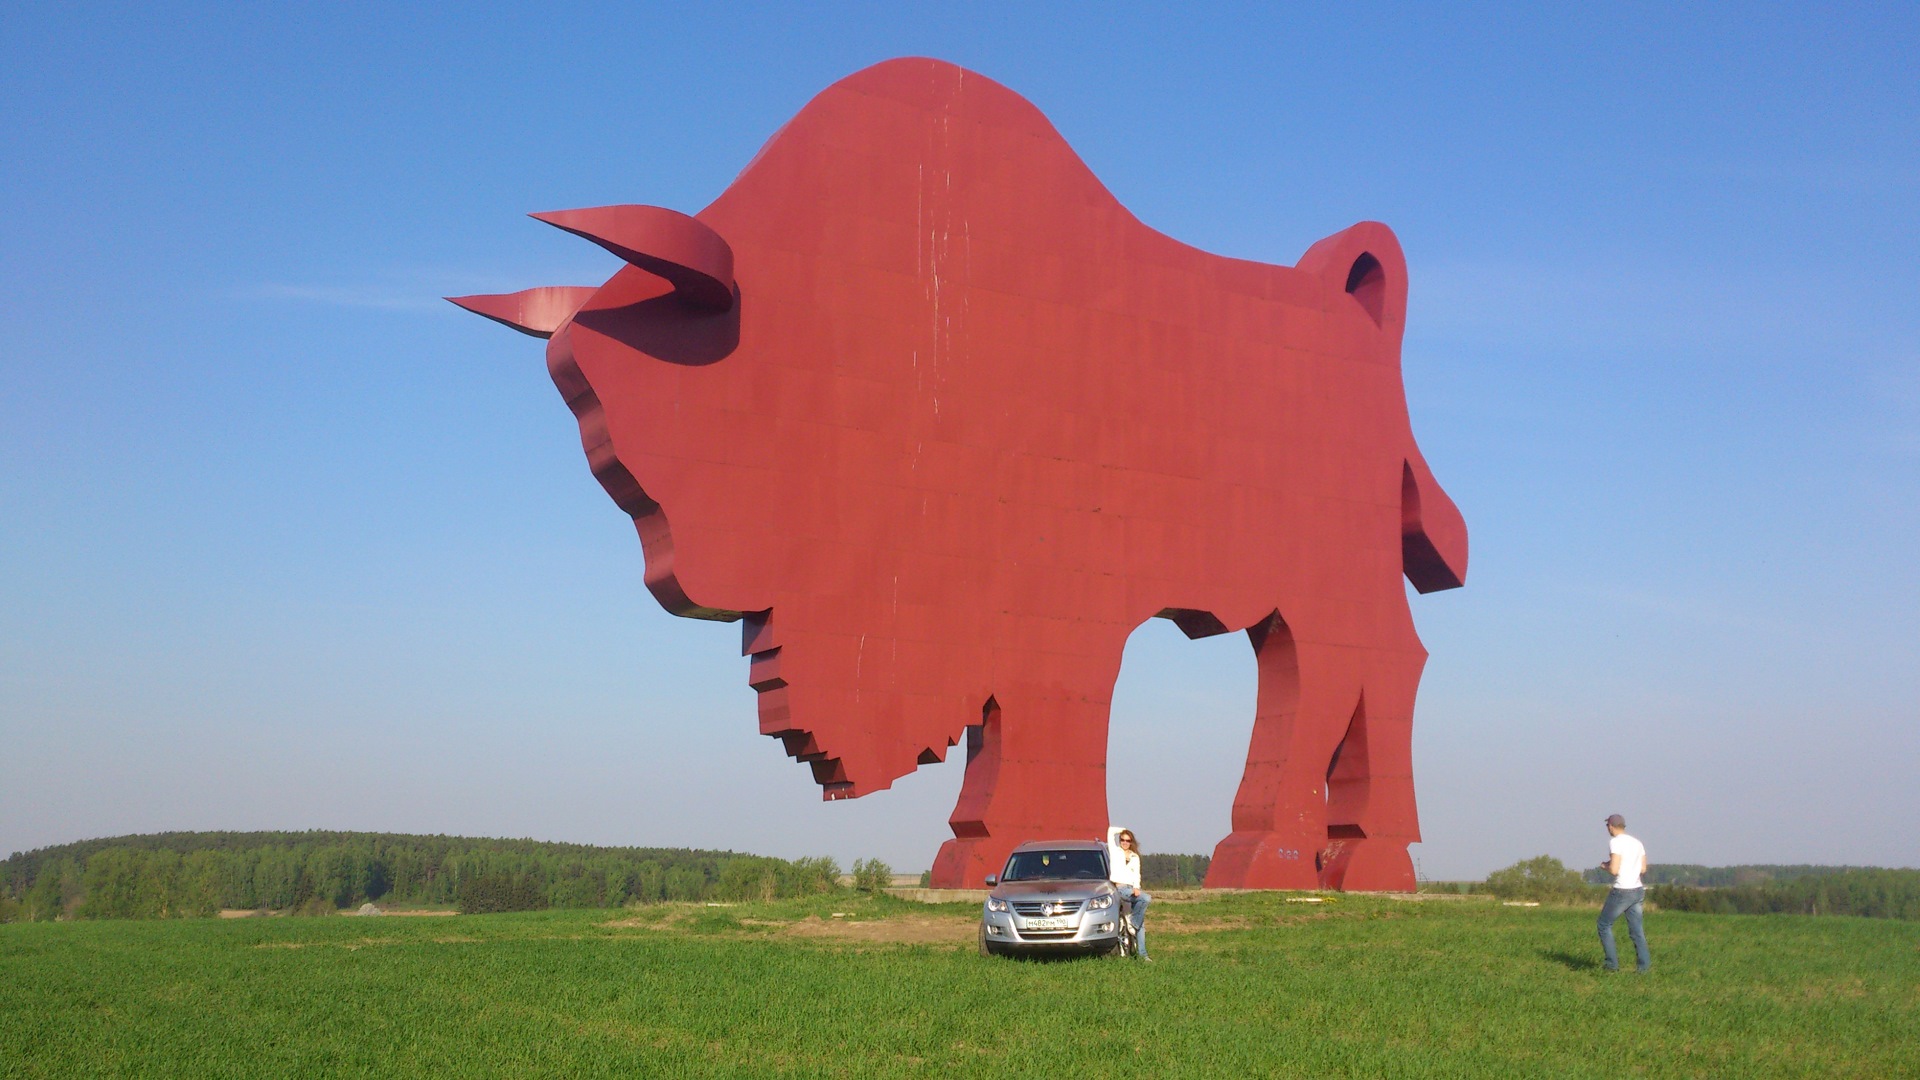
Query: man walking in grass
1626	861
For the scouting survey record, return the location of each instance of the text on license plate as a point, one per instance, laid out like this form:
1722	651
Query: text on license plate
1048	924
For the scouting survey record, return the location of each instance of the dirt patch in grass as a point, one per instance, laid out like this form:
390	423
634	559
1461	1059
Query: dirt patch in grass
373	942
1170	921
644	922
940	929
1178	922
895	930
350	946
256	913
900	930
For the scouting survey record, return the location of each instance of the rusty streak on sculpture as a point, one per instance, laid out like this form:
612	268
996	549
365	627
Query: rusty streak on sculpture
918	400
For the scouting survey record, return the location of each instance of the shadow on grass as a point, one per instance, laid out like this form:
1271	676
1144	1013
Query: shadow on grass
1573	962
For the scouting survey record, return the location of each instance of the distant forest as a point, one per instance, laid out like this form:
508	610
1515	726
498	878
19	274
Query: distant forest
1720	877
1174	871
1868	891
187	874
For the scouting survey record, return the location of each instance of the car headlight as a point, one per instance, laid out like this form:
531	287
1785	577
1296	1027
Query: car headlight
1100	903
994	903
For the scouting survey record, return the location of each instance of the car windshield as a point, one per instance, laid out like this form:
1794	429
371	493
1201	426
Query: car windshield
1056	865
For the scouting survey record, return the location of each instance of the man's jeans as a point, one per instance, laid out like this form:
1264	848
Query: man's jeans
1630	902
1133	904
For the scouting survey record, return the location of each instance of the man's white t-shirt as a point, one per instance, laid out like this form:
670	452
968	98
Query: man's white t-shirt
1633	856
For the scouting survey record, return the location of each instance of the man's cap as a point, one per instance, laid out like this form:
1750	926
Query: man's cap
1616	820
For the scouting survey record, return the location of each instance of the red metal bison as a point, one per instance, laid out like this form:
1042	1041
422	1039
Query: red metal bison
942	422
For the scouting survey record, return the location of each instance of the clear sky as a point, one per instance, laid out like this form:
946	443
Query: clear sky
288	542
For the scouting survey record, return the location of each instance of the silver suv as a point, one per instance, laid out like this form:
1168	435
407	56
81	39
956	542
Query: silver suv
1053	896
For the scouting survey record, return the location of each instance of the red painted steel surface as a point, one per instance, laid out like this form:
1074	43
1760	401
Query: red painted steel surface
942	422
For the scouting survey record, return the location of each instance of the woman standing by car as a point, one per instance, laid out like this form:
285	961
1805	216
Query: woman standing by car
1123	859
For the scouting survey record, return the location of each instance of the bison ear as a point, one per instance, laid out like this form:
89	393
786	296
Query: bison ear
1364	263
538	312
666	243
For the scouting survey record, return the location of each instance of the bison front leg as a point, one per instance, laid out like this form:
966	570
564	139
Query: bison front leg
1036	770
1306	703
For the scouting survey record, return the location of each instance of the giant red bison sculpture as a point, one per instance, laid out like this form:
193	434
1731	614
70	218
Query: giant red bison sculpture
941	422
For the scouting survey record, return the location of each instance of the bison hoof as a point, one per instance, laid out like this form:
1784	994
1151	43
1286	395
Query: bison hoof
1263	861
1369	865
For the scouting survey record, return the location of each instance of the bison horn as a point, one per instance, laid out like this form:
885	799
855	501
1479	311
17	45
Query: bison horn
665	242
538	312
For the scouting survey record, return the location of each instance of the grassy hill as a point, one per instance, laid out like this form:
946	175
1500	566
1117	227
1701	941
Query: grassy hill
839	985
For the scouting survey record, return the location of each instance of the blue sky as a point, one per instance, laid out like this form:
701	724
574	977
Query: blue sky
288	542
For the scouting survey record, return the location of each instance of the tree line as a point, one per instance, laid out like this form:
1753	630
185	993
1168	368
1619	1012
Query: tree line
1174	871
1867	891
1871	892
178	875
1720	877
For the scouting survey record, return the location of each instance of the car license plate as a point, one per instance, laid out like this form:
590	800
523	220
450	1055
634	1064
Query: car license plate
1048	924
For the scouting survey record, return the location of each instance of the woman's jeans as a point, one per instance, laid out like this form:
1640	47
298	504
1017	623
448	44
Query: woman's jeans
1133	904
1630	903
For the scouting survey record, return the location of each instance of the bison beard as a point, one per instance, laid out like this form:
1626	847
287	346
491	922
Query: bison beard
941	422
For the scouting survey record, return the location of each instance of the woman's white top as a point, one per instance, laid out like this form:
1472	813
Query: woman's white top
1123	866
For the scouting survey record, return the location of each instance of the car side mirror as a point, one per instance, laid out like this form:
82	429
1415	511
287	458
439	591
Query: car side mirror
992	880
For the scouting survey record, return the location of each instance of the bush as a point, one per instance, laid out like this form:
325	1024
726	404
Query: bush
748	878
55	893
804	877
1540	878
485	893
871	875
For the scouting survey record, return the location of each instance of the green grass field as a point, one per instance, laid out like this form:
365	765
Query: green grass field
1243	985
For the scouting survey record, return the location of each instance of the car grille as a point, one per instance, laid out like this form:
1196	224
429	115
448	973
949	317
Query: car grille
1046	935
1046	907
